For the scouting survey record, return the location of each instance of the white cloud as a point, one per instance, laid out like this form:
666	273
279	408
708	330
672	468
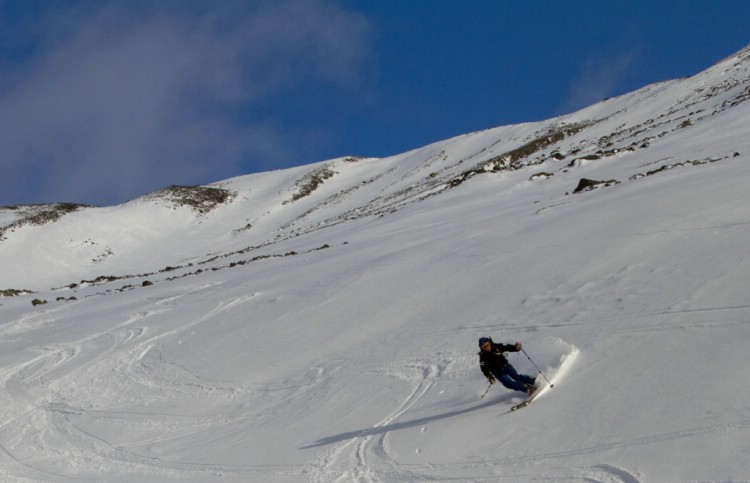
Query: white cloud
121	100
597	79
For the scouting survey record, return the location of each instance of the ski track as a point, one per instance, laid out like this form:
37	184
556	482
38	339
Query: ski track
601	473
47	419
358	459
367	458
52	428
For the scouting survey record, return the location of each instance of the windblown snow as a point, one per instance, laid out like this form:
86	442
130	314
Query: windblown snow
320	323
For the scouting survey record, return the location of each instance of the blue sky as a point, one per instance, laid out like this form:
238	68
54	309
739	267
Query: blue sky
104	101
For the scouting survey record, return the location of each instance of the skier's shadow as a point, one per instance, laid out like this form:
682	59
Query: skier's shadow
362	433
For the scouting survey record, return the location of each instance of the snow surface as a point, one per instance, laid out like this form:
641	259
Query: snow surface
332	337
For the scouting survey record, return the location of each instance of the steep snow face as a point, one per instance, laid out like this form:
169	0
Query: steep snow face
694	120
320	323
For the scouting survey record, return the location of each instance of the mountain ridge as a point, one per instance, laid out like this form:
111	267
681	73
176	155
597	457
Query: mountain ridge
310	197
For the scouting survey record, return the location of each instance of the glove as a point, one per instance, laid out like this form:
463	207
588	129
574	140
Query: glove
491	380
518	346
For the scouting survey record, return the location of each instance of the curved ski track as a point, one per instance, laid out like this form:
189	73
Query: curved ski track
356	458
87	404
365	456
54	404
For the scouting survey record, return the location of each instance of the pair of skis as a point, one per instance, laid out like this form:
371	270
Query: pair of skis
526	402
535	393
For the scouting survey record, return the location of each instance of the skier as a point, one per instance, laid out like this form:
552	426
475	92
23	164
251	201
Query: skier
493	364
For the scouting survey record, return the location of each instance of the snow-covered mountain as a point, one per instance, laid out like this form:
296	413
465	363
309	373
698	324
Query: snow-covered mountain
320	323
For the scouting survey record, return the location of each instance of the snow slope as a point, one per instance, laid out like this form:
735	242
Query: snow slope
320	323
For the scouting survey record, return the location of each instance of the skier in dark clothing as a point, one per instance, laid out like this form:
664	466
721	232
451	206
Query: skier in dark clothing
493	364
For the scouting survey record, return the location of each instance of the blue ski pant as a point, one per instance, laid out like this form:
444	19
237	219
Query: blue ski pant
511	379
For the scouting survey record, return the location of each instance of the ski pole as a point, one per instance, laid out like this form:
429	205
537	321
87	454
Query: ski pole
485	392
537	368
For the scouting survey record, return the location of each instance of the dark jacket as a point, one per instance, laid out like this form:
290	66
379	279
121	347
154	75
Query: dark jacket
493	361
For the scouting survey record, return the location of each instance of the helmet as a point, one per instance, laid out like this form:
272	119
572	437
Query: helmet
482	340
